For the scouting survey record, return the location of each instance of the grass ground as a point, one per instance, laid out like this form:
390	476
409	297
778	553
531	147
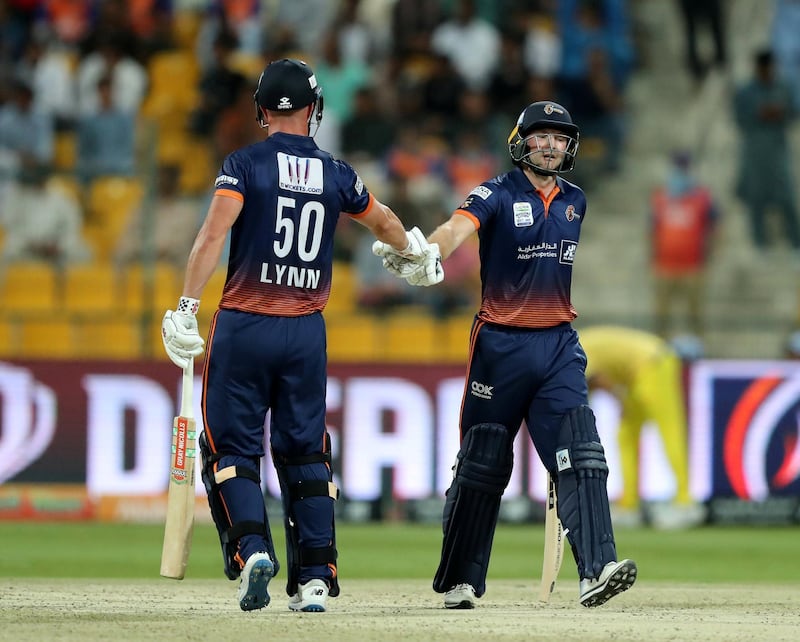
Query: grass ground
388	550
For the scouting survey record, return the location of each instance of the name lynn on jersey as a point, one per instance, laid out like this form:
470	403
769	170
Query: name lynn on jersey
290	276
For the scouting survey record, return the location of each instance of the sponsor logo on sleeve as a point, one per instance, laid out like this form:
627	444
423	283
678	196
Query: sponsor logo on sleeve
359	187
224	179
482	191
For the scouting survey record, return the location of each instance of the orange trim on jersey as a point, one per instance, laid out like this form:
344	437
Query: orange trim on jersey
549	199
470	216
366	209
473	337
206	427
230	194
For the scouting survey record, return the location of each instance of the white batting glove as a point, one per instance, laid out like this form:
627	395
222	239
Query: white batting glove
416	248
429	271
179	332
399	266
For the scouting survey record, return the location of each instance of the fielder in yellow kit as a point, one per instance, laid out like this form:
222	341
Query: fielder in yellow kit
644	373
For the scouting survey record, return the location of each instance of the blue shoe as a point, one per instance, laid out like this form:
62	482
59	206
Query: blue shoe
254	580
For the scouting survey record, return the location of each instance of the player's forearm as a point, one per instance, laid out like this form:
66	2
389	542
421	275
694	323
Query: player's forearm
450	234
203	261
388	228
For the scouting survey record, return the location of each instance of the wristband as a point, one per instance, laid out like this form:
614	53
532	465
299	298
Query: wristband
188	305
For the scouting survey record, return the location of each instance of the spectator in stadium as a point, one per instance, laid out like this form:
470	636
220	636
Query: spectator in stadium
708	14
683	226
106	138
128	77
786	44
645	374
763	109
219	86
368	131
471	43
27	136
42	223
164	230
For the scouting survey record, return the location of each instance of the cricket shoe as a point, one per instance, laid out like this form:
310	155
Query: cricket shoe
615	578
461	596
254	580
310	597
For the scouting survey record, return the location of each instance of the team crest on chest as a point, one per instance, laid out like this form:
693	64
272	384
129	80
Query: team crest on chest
570	213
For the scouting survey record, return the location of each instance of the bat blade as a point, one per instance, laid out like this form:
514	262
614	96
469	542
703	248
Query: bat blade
553	544
179	524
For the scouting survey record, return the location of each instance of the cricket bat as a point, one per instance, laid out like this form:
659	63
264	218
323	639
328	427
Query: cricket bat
553	544
180	498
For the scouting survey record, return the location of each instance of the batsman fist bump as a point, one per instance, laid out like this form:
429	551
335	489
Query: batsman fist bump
429	271
179	333
415	250
419	264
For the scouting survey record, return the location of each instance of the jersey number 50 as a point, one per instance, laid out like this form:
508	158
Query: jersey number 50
308	227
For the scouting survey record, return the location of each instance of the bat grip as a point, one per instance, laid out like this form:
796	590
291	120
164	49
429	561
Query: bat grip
187	389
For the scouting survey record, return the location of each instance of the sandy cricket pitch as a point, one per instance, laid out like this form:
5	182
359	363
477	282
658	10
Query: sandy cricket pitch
386	611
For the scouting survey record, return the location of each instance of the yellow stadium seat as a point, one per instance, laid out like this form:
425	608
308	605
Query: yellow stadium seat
343	289
185	27
110	202
249	65
29	287
454	346
65	151
91	288
173	146
53	339
155	288
410	338
9	345
352	338
111	339
171	69
211	296
198	169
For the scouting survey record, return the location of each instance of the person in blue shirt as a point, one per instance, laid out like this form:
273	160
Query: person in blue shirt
526	364
280	199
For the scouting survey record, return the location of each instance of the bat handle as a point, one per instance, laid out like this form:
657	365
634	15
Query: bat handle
187	389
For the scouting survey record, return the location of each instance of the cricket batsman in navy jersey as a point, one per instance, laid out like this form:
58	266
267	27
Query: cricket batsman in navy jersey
525	362
280	199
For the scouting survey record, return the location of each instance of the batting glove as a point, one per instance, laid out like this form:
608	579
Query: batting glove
179	333
399	266
416	248
429	271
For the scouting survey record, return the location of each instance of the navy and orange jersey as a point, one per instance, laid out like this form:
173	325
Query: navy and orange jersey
281	251
527	249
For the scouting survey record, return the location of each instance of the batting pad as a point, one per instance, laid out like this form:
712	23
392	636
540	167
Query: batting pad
483	468
582	495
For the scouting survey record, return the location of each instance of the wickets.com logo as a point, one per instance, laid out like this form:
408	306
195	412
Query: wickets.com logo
28	419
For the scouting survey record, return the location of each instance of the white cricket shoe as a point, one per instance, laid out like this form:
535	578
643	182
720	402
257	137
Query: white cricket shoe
615	578
310	597
254	580
461	596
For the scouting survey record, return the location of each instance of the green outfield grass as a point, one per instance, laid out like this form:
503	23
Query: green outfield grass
89	550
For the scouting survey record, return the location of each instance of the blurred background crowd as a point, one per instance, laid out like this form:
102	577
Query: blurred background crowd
115	116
